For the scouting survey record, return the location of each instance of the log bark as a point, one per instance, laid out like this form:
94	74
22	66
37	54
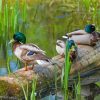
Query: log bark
88	60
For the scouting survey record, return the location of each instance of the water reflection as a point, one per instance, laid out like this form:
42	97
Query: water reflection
13	66
3	71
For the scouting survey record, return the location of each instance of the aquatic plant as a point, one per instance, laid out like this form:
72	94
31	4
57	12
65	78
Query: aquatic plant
33	93
66	72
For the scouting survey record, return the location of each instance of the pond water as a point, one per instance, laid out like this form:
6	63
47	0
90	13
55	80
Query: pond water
43	22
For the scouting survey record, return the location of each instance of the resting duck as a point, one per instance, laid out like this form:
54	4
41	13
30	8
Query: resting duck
29	54
88	36
60	48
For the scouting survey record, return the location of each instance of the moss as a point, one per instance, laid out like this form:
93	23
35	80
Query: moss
3	88
7	89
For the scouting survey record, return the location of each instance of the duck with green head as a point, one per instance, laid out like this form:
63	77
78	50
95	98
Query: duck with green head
88	36
29	54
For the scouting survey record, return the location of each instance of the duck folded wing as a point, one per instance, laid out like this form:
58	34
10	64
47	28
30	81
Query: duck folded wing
31	54
78	32
31	47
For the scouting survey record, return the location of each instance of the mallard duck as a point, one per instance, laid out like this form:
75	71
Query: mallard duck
88	36
60	47
29	54
72	48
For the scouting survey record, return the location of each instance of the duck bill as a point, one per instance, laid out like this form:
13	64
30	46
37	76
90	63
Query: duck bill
11	41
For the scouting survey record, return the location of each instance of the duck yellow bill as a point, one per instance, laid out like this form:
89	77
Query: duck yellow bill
11	41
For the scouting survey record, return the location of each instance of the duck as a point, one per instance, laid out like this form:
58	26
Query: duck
60	47
88	36
30	53
72	48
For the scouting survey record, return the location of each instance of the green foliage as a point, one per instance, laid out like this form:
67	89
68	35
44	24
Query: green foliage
87	4
0	6
33	93
98	84
24	10
66	72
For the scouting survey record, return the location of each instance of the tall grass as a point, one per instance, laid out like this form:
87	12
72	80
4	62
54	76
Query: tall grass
33	93
66	72
0	9
87	4
24	10
16	13
0	20
6	35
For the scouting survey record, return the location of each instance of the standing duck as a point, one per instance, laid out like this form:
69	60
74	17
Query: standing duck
29	54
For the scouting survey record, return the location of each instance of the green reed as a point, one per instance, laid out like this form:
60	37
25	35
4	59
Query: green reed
8	64
87	4
33	93
24	90
5	35
0	17
66	72
16	14
24	10
0	9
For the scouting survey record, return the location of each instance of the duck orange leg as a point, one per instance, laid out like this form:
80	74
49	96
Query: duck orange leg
28	67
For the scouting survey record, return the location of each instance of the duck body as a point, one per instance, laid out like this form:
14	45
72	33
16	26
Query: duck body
30	54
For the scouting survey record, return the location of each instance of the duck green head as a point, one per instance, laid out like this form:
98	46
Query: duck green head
18	37
89	28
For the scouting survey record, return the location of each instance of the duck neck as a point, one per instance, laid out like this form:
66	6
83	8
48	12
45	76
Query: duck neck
15	45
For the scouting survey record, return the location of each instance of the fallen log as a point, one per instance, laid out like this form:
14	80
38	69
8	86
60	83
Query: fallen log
88	60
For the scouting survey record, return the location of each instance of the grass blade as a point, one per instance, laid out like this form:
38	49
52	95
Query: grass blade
66	72
33	90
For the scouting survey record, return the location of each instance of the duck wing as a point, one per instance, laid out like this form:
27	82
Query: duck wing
32	47
32	52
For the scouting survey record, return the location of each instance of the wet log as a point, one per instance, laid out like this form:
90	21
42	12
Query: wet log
87	63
